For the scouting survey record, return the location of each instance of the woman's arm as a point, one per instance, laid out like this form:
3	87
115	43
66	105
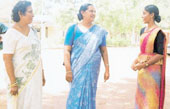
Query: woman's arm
67	63
158	50
151	61
10	71
105	57
154	59
9	67
134	64
67	50
106	62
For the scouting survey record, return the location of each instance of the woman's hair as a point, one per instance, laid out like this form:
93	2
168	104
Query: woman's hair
154	9
83	7
21	7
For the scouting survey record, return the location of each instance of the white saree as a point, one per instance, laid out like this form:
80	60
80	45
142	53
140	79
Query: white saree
26	52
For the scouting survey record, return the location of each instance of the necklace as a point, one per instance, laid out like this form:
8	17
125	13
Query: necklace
150	29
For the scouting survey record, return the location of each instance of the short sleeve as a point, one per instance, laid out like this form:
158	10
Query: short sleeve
159	43
69	35
104	40
9	43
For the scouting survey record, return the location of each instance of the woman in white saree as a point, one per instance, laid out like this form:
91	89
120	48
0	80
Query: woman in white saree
22	58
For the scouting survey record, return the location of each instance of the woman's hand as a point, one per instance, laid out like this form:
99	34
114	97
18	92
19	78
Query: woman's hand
106	76
133	67
14	90
139	66
69	76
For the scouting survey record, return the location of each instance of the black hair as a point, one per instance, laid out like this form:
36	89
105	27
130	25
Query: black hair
21	7
154	9
83	7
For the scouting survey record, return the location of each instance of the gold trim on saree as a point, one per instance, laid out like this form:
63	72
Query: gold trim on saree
144	57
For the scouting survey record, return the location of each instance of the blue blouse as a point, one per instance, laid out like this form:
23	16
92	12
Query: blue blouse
78	33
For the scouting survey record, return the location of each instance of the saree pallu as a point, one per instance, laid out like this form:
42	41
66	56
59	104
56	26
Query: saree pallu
28	73
151	80
85	63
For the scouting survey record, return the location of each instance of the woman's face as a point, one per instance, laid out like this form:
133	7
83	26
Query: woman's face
89	14
28	17
147	17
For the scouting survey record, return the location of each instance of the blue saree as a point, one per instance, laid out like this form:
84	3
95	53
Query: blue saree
85	63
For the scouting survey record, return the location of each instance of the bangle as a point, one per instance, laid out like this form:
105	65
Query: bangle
107	64
12	85
69	71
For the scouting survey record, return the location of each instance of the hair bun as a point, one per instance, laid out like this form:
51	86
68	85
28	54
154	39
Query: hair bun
158	18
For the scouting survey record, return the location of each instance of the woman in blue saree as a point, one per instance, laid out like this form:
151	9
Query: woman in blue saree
85	44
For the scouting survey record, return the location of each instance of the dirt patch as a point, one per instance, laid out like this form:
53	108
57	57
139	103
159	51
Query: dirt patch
109	96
